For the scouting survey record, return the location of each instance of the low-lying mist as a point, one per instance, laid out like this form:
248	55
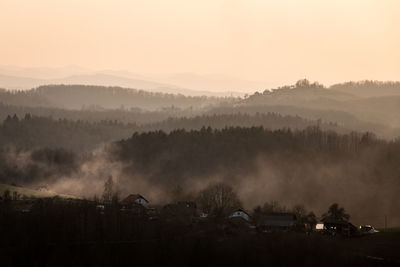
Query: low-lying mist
308	167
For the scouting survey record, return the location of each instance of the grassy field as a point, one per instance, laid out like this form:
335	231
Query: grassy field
31	193
381	246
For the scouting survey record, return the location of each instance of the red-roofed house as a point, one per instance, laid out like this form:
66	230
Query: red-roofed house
134	199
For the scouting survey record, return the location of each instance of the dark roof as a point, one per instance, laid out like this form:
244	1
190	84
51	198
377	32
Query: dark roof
280	220
240	209
132	198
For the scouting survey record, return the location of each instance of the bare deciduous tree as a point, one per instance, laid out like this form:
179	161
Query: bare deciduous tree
218	199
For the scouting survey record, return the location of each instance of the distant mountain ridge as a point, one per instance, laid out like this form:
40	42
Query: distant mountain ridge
188	84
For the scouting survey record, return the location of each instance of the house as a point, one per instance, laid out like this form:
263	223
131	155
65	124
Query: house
239	216
339	227
135	204
134	199
276	222
240	213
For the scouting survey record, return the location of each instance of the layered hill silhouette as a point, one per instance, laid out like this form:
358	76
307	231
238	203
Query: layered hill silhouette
344	104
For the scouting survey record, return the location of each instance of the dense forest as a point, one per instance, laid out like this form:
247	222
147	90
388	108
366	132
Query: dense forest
32	132
309	166
29	132
137	116
267	120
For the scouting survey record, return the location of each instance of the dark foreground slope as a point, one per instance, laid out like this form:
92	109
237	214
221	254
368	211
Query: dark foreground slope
57	233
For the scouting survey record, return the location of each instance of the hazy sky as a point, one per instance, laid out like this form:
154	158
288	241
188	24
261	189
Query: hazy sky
274	41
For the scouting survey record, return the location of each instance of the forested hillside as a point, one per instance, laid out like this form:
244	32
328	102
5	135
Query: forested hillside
369	88
312	100
309	166
100	97
29	132
137	116
378	110
267	120
32	132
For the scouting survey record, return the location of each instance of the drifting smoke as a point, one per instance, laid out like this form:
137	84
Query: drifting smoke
86	177
317	185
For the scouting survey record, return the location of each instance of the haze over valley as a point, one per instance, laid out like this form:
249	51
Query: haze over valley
199	133
79	130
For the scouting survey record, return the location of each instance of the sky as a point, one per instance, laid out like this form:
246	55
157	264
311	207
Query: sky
277	41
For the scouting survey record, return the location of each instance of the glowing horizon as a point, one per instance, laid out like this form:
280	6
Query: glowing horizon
272	41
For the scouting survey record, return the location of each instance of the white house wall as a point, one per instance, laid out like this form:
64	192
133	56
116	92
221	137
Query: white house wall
240	214
141	201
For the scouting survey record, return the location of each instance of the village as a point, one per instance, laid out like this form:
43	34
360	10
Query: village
242	220
227	218
212	228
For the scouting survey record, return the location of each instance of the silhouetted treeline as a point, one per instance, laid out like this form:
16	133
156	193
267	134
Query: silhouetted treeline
218	121
369	88
339	118
234	149
36	132
100	97
137	115
30	131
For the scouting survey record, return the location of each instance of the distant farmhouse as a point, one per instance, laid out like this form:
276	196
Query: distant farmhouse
239	216
135	204
134	199
339	227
